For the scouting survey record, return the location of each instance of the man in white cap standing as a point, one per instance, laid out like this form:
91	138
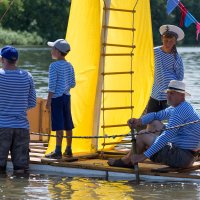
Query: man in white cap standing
168	66
177	147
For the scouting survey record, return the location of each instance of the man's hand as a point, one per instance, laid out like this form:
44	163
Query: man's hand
133	123
137	158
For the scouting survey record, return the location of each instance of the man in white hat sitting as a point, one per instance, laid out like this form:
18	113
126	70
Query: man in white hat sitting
177	147
168	66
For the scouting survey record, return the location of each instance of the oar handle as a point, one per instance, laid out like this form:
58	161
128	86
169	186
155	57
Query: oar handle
134	150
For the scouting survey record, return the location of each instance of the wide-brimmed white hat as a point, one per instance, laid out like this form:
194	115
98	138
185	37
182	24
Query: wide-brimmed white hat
178	32
177	86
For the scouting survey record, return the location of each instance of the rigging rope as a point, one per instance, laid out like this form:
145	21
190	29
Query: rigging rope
121	135
6	11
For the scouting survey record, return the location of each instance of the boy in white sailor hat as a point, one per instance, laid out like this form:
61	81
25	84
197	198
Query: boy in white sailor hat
168	66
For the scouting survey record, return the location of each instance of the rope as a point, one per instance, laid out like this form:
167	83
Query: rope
83	137
119	135
6	11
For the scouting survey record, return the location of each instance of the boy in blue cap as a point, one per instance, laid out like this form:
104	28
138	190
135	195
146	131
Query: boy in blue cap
17	95
61	80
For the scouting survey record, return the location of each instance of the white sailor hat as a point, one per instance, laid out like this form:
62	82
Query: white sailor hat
178	32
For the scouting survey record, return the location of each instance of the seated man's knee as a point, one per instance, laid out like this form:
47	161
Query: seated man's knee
155	126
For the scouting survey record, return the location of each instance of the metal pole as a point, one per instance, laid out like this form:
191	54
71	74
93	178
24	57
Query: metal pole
134	150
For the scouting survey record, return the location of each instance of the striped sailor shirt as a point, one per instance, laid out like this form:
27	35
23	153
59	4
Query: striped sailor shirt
167	67
186	137
61	78
17	95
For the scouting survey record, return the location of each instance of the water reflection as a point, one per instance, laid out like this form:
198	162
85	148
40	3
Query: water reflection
37	186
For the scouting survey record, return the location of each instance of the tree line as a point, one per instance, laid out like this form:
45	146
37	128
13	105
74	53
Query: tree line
47	19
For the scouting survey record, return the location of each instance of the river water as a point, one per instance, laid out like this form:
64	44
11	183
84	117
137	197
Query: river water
42	186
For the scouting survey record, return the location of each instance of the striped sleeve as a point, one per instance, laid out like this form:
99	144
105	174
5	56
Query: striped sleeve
52	78
32	93
179	68
161	115
71	82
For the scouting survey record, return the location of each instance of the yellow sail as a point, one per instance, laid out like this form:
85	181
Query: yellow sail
90	59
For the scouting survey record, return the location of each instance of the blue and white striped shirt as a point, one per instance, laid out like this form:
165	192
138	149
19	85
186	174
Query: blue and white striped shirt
186	137
167	67
61	78
17	95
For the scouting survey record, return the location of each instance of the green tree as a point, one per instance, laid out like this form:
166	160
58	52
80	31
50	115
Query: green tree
48	18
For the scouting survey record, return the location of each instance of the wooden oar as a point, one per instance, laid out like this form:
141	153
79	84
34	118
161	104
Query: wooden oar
134	150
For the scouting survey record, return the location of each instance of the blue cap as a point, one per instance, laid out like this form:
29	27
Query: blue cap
10	53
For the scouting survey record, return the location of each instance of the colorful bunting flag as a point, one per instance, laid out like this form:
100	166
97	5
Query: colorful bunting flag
189	19
171	5
183	13
198	30
186	17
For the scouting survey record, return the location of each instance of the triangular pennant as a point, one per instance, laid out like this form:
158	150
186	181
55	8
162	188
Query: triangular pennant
171	5
198	30
189	19
183	13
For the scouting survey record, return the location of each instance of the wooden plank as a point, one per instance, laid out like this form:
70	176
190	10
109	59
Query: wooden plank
49	161
38	150
38	144
75	157
38	147
114	152
195	166
36	154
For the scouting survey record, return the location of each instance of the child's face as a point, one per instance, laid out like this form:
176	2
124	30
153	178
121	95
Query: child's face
54	53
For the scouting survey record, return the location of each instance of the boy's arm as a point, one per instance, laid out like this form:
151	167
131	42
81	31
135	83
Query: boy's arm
48	104
179	69
71	80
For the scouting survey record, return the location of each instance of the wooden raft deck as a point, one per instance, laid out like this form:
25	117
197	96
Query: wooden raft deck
86	164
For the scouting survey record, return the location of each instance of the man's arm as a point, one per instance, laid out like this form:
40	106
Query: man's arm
146	119
32	93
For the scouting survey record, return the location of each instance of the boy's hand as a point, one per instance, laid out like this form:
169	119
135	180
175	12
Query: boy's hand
48	104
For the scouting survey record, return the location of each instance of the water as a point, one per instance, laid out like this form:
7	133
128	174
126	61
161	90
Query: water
37	186
41	186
